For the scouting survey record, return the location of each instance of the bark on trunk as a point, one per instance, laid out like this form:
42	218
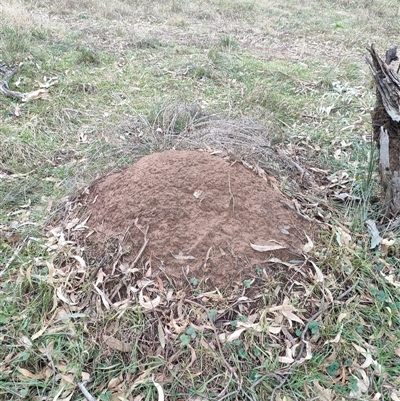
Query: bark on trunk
386	126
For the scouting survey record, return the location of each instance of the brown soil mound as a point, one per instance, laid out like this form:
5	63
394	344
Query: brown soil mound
202	214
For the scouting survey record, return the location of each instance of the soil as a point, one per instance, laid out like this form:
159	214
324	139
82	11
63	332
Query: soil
201	213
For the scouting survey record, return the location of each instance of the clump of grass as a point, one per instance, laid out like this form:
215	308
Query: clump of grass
200	72
228	43
148	43
173	118
16	45
87	56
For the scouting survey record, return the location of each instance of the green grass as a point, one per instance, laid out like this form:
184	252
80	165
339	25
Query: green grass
125	71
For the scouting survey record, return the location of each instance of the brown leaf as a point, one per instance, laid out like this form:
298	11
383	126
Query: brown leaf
68	379
31	375
161	336
115	382
117	344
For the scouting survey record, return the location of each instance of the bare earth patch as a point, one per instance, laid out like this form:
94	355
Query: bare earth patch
197	216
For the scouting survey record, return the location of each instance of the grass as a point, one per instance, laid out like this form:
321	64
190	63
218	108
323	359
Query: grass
131	80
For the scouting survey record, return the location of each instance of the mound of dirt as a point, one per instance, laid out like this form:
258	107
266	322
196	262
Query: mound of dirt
198	215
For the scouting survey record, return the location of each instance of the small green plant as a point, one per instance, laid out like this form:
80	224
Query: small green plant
313	327
333	368
212	314
189	335
194	281
106	396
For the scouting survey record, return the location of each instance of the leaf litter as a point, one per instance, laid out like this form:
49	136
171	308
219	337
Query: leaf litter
170	312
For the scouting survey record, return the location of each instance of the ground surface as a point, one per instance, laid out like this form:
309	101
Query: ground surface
199	213
280	86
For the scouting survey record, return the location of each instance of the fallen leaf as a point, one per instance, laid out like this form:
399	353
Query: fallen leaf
362	384
337	153
309	246
342	316
308	353
117	344
151	304
291	317
31	375
235	335
197	194
386	244
26	341
274	329
68	379
66	398
324	394
178	329
39	333
63	298
395	396
319	277
368	357
266	248
337	337
114	383
70	316
57	396
342	237
376	239
161	336
102	296
179	256
285	359
72	223
160	391
80	261
344	195
286	310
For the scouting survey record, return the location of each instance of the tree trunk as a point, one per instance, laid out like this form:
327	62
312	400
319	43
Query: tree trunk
386	127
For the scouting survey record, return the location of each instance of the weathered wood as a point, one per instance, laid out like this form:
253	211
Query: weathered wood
395	191
7	75
24	97
387	83
386	126
384	164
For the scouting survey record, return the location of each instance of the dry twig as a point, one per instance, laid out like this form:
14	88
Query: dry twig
86	393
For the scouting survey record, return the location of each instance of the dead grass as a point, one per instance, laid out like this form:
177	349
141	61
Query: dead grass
282	86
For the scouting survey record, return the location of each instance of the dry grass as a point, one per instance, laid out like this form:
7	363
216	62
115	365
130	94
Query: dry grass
280	85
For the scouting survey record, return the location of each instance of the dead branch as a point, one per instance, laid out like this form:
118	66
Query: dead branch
7	75
386	126
24	97
387	83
